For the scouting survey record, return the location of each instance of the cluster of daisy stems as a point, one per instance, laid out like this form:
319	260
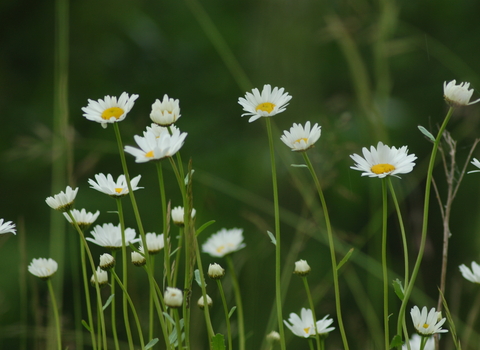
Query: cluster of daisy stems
169	312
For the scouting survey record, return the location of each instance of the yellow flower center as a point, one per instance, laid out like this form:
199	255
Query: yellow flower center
306	330
300	139
266	107
220	249
425	326
115	112
149	154
118	190
382	168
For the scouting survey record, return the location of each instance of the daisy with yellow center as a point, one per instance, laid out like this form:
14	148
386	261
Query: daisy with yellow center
427	322
266	104
382	161
224	242
106	184
301	138
109	110
303	325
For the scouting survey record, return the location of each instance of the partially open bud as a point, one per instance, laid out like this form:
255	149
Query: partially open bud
102	277
302	268
138	259
201	303
173	297
215	271
106	262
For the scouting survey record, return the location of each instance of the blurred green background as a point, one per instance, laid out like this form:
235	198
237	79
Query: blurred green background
364	70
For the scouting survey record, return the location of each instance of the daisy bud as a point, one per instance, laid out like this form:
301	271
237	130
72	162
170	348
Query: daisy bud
201	303
178	215
106	262
102	277
273	337
63	201
138	259
458	95
302	268
173	297
215	271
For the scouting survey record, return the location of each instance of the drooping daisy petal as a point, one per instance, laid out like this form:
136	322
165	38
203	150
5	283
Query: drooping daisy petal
458	95
165	112
427	323
107	185
384	161
43	268
472	275
109	110
224	242
267	104
475	162
6	227
301	138
303	325
62	201
110	236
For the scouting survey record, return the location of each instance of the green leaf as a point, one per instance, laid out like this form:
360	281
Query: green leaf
197	278
396	341
85	324
232	310
189	175
345	259
218	342
299	165
168	317
453	330
151	343
109	300
426	133
204	226
398	288
272	237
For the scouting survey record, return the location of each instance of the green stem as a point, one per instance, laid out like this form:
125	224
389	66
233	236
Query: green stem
332	250
384	264
87	294
55	314
178	255
124	273
161	184
132	307
312	307
178	327
310	344
150	303
112	306
278	291
238	301
428	185
225	309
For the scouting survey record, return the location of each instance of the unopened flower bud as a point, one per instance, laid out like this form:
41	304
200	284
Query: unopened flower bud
273	337
201	303
302	268
173	297
138	259
215	271
106	262
102	277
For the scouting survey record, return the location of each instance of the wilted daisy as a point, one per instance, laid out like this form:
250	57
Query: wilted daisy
110	236
384	161
173	297
224	242
427	323
43	268
165	112
7	226
155	148
303	325
458	95
109	110
107	185
102	277
302	268
301	138
472	275
83	218
64	200
477	164
266	104
178	215
155	242
416	341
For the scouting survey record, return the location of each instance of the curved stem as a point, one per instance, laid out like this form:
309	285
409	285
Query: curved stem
312	307
238	301
225	309
55	314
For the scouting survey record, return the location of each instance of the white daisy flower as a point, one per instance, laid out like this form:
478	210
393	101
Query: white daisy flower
155	242
457	95
155	148
109	110
224	242
110	236
266	104
107	185
303	325
102	277
300	138
64	200
83	218
384	161
178	215
416	341
173	297
43	268
472	275
477	164
6	227
165	112
427	323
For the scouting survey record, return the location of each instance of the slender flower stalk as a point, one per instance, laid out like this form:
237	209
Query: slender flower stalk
238	301
113	308
332	250
312	307
55	314
225	309
384	263
428	184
